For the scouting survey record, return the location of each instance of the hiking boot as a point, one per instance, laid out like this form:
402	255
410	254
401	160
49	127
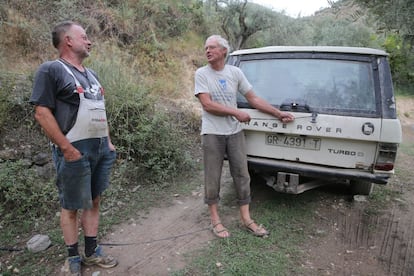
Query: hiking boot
72	266
100	259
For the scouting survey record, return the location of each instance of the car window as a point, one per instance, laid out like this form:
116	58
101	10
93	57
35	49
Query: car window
321	84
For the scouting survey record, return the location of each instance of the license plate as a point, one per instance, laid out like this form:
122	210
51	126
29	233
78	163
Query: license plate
291	141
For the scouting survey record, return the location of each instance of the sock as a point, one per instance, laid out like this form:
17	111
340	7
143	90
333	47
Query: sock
90	245
72	250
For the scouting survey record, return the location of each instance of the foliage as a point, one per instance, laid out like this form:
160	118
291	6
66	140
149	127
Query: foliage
14	94
150	139
130	23
249	25
326	30
20	191
320	31
5	87
140	128
240	20
26	199
395	21
401	60
144	27
395	16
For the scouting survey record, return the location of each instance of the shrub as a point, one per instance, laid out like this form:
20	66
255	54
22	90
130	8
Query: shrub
14	95
6	84
26	194
141	129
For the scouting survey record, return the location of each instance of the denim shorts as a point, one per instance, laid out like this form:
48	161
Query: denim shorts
81	181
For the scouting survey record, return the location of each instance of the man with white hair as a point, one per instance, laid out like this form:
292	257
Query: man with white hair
216	87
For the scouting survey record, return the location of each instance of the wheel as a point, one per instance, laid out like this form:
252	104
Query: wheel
361	187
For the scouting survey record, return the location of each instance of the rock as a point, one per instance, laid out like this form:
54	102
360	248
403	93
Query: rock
27	163
38	243
41	159
27	152
47	171
9	154
360	198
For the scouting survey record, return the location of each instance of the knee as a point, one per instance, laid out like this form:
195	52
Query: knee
68	214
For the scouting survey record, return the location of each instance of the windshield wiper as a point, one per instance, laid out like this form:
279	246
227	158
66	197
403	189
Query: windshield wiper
298	105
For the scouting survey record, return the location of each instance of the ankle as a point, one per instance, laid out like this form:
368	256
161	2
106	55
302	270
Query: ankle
72	250
90	245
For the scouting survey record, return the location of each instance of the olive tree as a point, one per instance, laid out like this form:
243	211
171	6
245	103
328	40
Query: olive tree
396	15
395	19
241	19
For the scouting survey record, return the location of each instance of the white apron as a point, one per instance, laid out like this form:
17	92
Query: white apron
91	119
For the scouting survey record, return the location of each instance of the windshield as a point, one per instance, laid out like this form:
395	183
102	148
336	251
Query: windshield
321	84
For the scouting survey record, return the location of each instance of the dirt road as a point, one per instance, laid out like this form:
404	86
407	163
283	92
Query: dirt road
354	238
155	245
359	240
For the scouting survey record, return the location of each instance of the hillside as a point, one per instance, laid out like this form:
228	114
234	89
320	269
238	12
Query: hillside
145	53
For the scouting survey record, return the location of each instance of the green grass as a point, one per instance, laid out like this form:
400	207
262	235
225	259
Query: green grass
407	148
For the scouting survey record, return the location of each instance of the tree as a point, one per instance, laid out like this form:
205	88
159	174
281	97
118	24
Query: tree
241	19
325	31
393	15
395	19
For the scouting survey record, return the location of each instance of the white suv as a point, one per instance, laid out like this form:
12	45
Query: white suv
346	126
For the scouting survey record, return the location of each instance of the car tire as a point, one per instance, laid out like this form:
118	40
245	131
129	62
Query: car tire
359	187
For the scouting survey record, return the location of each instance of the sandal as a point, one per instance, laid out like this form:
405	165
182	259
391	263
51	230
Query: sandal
219	234
260	231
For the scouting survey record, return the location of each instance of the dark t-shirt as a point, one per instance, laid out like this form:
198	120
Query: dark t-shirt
55	88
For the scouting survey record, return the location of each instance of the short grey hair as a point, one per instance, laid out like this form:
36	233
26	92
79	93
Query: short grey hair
221	41
59	30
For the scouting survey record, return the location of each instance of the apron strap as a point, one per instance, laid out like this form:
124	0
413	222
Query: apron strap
79	87
71	73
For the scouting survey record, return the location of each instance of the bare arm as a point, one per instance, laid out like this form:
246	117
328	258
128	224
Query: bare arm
265	107
221	110
47	121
